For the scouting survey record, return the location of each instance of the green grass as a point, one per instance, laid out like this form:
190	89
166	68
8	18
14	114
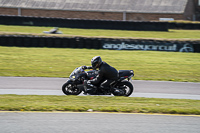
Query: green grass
60	62
99	104
172	34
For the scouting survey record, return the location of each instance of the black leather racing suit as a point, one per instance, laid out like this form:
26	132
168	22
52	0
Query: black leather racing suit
106	75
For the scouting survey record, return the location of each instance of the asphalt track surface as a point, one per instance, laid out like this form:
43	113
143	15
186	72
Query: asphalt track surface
41	122
66	122
52	86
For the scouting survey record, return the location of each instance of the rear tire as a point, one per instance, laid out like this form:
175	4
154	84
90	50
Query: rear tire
69	89
126	86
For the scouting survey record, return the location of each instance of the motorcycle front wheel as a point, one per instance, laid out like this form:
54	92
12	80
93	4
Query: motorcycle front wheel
69	89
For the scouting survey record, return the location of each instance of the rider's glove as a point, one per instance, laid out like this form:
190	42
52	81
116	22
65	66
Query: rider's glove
84	67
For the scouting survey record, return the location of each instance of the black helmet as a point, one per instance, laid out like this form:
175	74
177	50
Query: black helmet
96	62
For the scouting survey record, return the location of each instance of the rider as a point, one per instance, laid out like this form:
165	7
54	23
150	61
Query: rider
106	74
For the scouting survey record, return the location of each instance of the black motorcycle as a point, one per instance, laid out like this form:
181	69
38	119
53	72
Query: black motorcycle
76	83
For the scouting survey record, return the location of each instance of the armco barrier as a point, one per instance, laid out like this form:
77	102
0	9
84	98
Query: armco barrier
99	43
82	23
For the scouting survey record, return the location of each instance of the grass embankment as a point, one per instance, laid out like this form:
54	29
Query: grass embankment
57	62
98	104
148	65
172	34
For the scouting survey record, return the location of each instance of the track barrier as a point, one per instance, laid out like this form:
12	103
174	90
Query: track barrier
99	43
83	23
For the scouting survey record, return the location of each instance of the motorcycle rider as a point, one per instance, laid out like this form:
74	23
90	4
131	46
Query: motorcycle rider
106	74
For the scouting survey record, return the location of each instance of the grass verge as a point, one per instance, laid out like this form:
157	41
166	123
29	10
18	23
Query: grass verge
60	62
98	104
36	30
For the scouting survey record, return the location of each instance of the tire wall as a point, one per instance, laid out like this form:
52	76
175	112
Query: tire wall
96	24
99	43
83	23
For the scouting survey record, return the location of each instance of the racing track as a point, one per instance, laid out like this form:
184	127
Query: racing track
52	122
52	86
68	122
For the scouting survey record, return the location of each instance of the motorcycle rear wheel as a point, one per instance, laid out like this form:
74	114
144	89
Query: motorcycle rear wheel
127	86
69	89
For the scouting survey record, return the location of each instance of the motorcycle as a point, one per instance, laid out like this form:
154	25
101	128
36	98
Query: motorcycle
77	79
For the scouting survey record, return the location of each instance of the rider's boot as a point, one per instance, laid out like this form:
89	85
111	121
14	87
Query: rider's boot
89	89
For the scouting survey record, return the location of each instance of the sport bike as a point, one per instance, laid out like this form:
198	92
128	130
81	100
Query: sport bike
77	79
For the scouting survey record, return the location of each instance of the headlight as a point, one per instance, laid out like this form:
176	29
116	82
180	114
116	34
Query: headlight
72	78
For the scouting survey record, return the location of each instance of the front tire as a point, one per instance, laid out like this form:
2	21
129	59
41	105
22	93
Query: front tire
69	89
126	86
